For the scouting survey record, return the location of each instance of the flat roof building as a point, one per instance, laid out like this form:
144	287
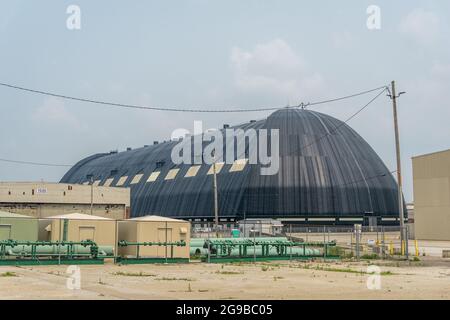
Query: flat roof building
44	199
431	179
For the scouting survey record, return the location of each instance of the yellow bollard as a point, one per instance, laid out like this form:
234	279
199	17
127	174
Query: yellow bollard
403	248
391	248
417	247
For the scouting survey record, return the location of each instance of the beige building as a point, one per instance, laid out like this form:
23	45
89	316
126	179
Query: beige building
154	229
43	199
18	227
431	178
78	227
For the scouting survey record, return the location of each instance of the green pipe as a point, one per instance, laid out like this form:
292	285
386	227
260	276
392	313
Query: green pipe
27	250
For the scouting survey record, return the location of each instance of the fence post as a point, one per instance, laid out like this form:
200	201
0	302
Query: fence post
254	244
358	240
406	241
209	249
165	250
290	238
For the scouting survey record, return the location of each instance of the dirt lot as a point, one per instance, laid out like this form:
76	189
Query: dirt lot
427	279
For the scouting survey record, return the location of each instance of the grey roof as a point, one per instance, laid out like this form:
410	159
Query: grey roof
326	169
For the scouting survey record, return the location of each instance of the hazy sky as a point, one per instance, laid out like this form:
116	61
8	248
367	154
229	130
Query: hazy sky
199	53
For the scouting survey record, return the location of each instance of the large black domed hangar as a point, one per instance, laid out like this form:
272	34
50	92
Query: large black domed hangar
328	174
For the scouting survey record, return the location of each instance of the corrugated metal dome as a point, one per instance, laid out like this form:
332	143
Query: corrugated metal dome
326	170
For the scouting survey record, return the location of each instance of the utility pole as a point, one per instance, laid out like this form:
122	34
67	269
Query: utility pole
216	202
403	234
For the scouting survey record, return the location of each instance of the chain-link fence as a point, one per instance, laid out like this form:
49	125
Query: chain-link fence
351	241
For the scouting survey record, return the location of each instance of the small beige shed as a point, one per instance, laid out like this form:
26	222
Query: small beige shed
154	229
78	227
18	227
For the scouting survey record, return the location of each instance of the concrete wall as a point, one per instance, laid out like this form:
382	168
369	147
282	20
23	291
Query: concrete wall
431	178
48	199
154	231
113	211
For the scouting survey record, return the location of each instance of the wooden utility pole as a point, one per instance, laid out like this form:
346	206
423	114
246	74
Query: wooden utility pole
403	234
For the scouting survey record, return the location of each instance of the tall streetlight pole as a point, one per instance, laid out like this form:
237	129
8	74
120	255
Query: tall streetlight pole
403	234
216	202
91	180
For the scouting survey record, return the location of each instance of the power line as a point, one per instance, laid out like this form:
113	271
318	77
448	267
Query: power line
346	97
176	109
344	122
192	110
35	163
366	179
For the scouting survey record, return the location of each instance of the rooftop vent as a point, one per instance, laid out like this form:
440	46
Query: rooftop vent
155	142
252	121
128	149
159	164
226	126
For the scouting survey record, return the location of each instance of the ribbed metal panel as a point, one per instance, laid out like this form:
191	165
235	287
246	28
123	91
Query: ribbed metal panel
323	172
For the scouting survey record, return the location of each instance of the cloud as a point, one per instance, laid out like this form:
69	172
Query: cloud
421	26
53	112
274	68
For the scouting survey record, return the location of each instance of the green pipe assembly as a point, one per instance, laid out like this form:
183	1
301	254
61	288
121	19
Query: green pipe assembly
14	252
138	259
263	248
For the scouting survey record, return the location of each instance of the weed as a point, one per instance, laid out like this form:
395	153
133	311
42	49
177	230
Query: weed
372	256
8	274
133	274
229	272
174	279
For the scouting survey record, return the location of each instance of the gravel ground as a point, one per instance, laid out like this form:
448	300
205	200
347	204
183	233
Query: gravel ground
426	279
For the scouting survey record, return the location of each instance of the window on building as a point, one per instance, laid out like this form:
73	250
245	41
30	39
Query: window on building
121	181
171	174
192	171
108	182
238	165
136	178
219	166
153	176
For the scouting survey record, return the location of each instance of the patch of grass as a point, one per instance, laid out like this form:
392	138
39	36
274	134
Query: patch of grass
372	256
229	272
203	290
133	274
8	274
416	259
264	268
345	270
277	278
174	279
